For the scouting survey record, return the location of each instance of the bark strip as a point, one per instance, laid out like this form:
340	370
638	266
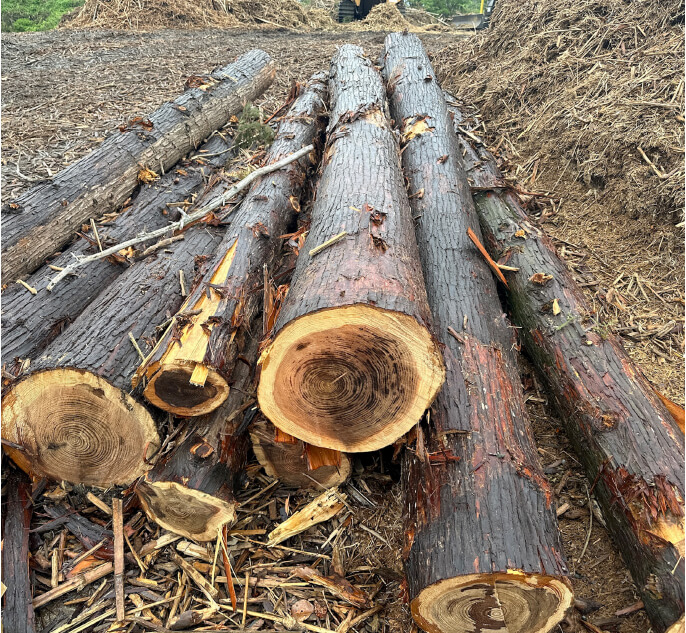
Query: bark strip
41	221
482	547
629	445
353	364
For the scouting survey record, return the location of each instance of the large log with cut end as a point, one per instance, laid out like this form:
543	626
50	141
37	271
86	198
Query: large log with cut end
17	506
190	490
187	373
72	417
294	462
41	221
353	364
31	322
482	549
629	445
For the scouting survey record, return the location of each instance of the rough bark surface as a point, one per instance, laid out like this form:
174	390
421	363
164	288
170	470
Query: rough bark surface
17	608
72	414
41	221
630	447
30	322
209	460
476	500
337	374
236	276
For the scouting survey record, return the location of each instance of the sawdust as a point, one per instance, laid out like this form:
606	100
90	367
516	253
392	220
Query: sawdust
594	89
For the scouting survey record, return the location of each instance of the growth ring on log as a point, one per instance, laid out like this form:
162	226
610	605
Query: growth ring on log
353	378
75	426
509	603
191	513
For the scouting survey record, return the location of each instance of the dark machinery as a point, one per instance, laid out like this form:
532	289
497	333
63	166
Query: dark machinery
350	10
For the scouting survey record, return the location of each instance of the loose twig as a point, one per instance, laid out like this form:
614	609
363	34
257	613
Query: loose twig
185	220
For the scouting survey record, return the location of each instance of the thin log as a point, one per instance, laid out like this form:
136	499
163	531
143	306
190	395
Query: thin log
187	372
30	323
17	610
482	547
294	462
41	221
630	446
353	364
72	415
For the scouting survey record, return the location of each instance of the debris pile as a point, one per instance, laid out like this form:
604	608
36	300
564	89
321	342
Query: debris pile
593	89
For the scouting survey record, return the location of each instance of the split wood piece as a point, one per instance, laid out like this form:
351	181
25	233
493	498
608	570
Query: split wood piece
324	507
72	415
41	221
77	582
335	584
17	507
482	547
628	443
294	462
190	491
353	364
30	323
88	533
187	371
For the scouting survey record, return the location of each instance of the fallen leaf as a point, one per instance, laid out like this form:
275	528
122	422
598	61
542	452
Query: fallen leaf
540	278
146	176
302	610
521	233
295	203
556	307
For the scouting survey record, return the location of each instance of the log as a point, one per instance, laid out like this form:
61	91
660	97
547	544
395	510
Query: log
294	462
187	372
353	364
17	609
629	445
72	416
482	547
190	490
42	220
31	322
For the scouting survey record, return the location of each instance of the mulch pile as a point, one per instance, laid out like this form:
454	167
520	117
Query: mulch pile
593	88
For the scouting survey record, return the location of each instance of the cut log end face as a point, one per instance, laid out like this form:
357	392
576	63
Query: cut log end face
509	603
174	390
351	379
77	427
191	513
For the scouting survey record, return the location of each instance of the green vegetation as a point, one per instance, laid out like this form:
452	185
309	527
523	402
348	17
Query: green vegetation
251	130
34	15
447	8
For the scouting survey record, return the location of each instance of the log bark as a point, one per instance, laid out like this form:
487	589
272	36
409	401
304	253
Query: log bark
629	445
294	462
41	221
188	376
72	415
17	610
31	322
482	548
353	364
190	490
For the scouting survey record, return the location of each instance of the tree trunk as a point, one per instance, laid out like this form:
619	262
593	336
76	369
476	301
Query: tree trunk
72	415
294	462
31	322
190	491
482	549
187	372
17	610
41	221
627	441
353	364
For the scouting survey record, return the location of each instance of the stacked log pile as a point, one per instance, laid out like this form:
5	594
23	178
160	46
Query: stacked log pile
344	304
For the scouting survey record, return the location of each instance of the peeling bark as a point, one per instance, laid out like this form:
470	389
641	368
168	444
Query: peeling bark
629	445
41	221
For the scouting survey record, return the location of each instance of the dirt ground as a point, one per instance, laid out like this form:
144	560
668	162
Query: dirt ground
63	91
